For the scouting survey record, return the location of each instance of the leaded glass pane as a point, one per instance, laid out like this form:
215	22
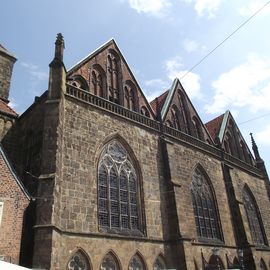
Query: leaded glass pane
109	263
78	262
204	209
253	218
136	263
117	189
159	264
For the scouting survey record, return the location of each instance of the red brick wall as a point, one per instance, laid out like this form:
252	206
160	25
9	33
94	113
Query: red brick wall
15	203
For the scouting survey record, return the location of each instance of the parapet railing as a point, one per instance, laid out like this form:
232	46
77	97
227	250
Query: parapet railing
107	105
110	106
240	163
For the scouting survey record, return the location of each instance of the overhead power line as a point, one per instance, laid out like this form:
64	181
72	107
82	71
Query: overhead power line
224	40
255	118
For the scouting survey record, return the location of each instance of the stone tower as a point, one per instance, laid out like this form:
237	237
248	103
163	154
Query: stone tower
7	61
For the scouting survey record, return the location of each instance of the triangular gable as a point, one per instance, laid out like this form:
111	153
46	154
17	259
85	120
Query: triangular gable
98	58
231	138
190	119
13	173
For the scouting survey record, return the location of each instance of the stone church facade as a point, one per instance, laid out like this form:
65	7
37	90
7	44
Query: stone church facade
121	183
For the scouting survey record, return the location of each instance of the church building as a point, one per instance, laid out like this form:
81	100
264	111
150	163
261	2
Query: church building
119	183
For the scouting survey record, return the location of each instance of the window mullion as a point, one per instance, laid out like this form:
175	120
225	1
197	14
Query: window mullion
119	199
108	196
129	204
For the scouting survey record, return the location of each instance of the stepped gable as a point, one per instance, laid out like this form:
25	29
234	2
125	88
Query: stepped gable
158	102
105	73
214	125
4	108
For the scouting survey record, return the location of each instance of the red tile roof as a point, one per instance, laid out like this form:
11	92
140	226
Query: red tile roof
214	125
6	109
158	102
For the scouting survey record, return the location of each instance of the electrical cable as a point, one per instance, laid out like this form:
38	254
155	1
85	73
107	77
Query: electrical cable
255	118
222	42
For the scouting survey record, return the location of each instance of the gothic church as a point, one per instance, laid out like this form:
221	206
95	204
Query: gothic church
110	181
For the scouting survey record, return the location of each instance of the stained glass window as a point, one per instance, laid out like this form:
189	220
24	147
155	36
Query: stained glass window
78	262
204	207
117	189
109	262
253	218
159	264
136	263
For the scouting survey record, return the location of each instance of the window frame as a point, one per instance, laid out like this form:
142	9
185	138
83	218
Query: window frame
129	231
215	212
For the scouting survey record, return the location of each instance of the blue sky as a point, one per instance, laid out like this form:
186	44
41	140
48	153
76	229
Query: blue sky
160	39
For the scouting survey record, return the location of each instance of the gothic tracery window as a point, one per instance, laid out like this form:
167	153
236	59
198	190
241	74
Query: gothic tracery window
136	263
253	218
109	262
159	264
118	196
78	262
204	207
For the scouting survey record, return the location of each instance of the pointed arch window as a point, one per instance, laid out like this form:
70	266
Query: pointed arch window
183	111
197	128
136	263
262	265
253	216
118	191
175	118
114	77
109	262
144	111
205	212
159	263
78	262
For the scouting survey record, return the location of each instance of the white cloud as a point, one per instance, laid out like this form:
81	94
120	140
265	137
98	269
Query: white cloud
190	45
263	136
244	86
156	83
191	81
252	6
205	7
152	7
34	71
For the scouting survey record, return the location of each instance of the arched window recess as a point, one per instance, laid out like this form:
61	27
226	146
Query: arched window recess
254	218
79	261
204	207
119	204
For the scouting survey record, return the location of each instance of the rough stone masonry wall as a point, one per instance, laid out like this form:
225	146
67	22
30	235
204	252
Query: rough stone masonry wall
6	66
183	161
14	205
86	130
257	187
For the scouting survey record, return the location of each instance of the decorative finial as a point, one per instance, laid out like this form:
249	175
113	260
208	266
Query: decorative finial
59	47
255	148
59	39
